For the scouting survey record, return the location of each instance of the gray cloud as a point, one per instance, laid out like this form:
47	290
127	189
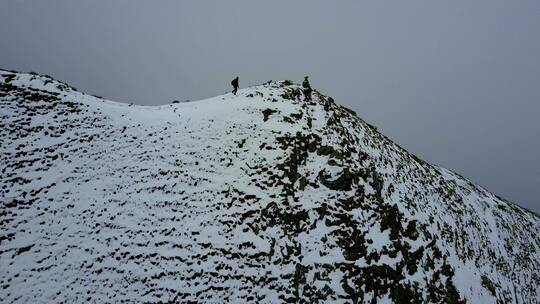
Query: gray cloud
455	82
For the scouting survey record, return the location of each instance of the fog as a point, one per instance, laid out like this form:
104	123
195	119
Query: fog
455	82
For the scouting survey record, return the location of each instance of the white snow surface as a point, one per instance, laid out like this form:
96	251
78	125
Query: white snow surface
269	196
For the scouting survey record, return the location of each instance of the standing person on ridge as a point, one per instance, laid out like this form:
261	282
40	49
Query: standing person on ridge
234	83
307	89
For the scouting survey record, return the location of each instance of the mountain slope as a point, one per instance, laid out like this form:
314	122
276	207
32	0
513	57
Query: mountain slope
270	196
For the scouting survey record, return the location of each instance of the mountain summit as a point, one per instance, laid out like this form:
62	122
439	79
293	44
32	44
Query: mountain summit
276	195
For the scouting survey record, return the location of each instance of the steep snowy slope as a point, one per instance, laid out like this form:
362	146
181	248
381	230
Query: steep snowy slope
270	196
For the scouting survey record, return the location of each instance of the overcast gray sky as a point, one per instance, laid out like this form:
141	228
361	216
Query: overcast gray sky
455	82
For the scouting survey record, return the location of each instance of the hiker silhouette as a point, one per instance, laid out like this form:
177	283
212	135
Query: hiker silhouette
234	83
307	89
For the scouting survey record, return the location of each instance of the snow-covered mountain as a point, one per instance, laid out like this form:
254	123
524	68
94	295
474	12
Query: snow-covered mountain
272	196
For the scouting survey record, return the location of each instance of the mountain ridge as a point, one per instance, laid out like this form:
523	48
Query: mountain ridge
275	195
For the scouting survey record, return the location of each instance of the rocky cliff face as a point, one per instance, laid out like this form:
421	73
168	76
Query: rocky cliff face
275	195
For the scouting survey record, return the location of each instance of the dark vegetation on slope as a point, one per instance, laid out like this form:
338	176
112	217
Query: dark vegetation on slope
357	170
358	183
